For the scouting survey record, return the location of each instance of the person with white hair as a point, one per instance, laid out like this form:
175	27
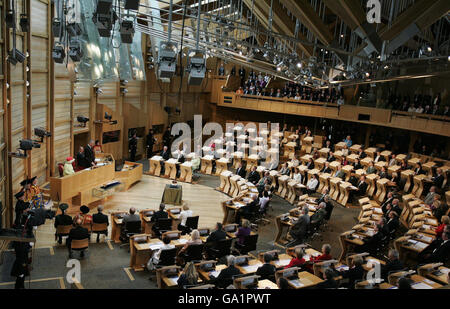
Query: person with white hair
225	278
300	228
320	214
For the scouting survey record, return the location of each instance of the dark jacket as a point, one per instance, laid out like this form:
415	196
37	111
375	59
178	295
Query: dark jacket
327	284
160	214
100	218
299	229
217	236
63	220
353	274
362	188
78	233
266	271
391	266
81	160
241	172
225	277
165	155
254	177
89	155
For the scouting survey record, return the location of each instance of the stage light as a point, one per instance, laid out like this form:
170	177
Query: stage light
24	23
56	28
104	18
74	29
82	120
167	59
58	53
75	51
41	133
10	19
127	31
15	56
27	144
196	69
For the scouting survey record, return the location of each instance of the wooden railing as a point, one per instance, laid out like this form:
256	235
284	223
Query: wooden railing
439	125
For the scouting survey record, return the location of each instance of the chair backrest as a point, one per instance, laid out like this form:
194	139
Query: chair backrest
87	226
133	227
164	224
195	252
63	229
61	169
99	227
80	243
224	247
167	257
250	243
192	222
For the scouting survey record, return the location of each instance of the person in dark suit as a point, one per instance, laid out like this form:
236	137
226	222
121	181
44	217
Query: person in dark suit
132	147
393	265
371	244
357	165
438	251
216	236
89	153
241	171
362	154
21	205
389	199
393	222
300	228
165	154
20	268
62	219
438	180
310	164
248	210
326	168
379	158
225	278
81	159
267	270
160	214
331	157
150	141
100	218
329	281
419	170
362	186
77	233
356	272
253	176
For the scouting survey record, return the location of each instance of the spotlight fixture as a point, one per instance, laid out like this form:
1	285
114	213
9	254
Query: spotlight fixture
75	51
27	144
24	23
10	19
58	53
108	117
104	18
196	68
41	133
82	120
15	56
168	110
132	4
127	31
56	27
167	59
74	29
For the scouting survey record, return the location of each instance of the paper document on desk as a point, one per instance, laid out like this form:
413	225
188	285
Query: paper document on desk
173	280
97	160
421	245
100	164
238	205
214	273
283	262
421	286
296	283
155	247
251	268
182	241
342	267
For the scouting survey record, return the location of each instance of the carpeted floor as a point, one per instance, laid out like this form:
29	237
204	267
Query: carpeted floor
106	268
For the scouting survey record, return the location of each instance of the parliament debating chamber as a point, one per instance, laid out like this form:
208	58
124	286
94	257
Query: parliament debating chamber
224	144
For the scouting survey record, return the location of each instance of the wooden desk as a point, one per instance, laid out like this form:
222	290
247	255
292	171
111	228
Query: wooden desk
267	285
380	164
348	169
408	175
355	148
386	154
344	189
352	158
116	226
252	160
371	152
320	163
130	174
366	161
186	172
306	280
339	146
234	190
77	189
347	244
413	161
438	274
323	153
251	268
334	187
418	185
371	179
282	189
207	275
393	169
381	189
307	144
323	181
237	158
334	166
230	210
170	167
225	185
282	230
155	166
207	164
222	165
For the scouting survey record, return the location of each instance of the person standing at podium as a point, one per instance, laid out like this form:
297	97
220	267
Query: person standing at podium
82	163
89	153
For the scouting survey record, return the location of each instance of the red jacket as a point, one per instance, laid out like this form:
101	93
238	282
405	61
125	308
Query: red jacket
440	230
317	259
295	262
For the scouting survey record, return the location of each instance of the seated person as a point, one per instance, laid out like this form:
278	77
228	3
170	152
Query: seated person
189	276
264	199
429	198
393	222
165	154
62	219
300	228
241	171
195	163
404	284
132	216
266	180
160	214
253	176
248	210
100	218
356	272
439	209
362	186
379	158
371	168
297	176
383	173
68	166
371	244
195	240
310	164
326	168
184	214
284	170
361	154
393	265
393	206
84	216
331	157
357	165
328	207
438	251
319	215
339	173
329	281
297	260
77	233
154	260
312	184
445	220
243	231
283	283
267	270
225	277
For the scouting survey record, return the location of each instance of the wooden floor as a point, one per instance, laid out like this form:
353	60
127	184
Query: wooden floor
203	201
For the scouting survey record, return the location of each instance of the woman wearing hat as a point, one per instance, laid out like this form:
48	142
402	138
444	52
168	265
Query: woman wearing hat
36	196
68	167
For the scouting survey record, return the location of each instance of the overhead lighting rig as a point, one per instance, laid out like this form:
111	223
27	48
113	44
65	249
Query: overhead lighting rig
104	18
196	68
167	59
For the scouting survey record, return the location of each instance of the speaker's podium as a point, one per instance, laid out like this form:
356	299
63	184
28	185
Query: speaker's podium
91	186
